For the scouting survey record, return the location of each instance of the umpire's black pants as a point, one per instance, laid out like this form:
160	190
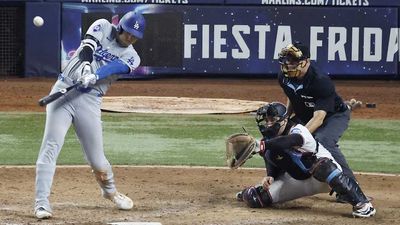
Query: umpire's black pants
329	133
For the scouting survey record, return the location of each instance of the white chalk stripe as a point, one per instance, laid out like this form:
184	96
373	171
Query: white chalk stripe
182	167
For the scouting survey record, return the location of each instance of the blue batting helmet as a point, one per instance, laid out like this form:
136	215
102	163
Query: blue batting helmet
133	23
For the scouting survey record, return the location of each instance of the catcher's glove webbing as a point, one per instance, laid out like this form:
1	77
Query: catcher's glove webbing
239	148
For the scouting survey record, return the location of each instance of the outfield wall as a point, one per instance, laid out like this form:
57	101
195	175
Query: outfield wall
356	39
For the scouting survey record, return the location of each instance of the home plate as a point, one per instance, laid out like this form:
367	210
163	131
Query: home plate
135	223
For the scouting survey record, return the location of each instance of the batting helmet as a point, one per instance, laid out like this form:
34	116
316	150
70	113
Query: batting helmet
133	23
268	118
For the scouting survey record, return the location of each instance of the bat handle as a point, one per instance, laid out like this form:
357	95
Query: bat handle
50	98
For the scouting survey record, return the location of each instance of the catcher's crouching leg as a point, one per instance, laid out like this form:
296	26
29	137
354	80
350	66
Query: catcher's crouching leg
256	197
326	171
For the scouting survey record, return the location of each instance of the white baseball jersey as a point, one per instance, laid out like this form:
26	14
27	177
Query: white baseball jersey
310	144
107	51
82	109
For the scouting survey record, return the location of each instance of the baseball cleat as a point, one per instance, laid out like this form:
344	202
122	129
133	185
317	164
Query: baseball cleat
42	213
122	201
239	196
363	210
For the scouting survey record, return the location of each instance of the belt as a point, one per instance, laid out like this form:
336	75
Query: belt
66	80
88	90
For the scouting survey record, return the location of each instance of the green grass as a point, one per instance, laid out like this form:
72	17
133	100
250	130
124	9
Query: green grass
141	139
372	145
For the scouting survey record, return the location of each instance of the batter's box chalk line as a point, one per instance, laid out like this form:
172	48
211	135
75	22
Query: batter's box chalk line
135	223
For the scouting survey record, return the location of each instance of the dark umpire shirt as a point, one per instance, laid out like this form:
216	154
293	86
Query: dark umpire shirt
314	92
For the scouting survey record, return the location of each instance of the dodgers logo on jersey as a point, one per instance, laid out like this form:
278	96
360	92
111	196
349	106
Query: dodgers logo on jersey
131	60
103	54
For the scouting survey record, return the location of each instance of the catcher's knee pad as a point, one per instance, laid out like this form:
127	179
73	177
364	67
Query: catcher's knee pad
326	171
256	197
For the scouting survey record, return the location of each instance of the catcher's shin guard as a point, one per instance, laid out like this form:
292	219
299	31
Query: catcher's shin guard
326	171
256	197
349	188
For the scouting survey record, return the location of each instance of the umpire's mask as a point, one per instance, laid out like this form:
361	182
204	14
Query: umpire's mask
293	58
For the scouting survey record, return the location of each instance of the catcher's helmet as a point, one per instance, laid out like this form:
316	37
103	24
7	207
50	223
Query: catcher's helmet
269	117
133	23
293	54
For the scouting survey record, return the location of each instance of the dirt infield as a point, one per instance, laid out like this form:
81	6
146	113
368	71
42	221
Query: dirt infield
23	94
190	195
178	105
181	196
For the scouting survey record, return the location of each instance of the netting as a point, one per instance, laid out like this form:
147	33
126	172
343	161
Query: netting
12	29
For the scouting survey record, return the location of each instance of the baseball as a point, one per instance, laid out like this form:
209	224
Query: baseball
38	21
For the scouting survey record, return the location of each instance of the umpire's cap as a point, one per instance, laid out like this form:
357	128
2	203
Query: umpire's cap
303	48
293	53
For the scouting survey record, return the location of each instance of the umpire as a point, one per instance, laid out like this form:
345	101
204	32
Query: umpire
313	100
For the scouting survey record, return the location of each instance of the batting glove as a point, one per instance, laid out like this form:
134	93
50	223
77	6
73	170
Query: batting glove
87	79
87	76
86	68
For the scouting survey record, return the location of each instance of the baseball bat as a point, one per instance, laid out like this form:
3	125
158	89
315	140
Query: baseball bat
51	98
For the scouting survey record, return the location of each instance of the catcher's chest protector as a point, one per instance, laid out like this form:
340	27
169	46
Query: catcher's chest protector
294	163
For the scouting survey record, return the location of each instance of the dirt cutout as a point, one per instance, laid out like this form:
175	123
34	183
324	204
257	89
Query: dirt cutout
178	105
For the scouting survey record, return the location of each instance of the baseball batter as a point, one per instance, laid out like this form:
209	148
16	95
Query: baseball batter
297	165
105	52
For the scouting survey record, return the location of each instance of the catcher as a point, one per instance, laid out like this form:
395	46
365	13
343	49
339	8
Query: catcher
297	165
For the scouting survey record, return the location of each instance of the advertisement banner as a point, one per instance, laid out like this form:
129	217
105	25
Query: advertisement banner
165	2
324	3
246	40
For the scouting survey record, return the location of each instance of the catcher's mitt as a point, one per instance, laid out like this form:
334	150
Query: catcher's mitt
239	148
